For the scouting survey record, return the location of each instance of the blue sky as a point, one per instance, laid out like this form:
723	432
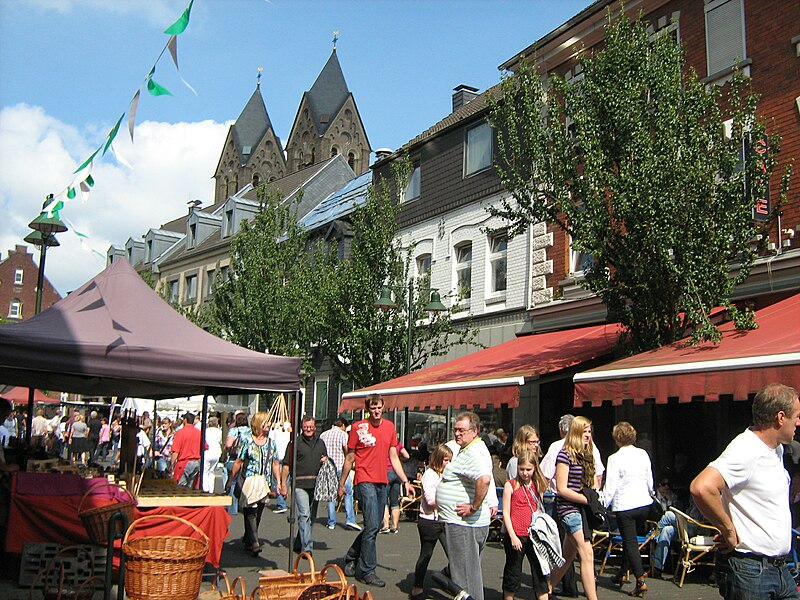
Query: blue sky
69	68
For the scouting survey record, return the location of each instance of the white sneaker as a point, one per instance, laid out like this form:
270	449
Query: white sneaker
354	526
332	526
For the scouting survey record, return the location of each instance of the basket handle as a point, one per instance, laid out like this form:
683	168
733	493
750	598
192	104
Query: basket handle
232	589
339	572
168	517
260	593
94	486
310	560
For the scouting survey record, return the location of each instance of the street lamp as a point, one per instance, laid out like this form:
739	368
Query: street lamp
434	304
45	227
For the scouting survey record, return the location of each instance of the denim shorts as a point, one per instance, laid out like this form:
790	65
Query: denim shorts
572	522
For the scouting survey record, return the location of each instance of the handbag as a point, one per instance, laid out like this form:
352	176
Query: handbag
327	486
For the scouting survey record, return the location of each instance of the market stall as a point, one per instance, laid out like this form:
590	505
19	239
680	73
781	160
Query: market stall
114	336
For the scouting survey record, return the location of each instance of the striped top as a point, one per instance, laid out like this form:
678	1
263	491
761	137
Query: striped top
335	440
458	485
574	479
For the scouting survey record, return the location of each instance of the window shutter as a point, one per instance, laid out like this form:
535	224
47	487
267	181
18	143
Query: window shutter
724	35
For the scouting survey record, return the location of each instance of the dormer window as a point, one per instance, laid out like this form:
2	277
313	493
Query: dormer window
478	150
192	235
228	223
413	187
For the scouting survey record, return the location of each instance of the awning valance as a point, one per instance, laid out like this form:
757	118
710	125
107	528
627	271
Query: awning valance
739	365
492	376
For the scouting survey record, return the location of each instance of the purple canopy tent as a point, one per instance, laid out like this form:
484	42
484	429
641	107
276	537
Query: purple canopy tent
114	336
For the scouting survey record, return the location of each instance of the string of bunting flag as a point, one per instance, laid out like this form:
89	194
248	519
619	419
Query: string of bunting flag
82	181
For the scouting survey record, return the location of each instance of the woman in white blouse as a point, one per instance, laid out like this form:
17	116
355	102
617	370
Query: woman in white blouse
629	493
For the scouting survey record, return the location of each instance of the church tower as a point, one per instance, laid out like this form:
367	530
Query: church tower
327	123
252	152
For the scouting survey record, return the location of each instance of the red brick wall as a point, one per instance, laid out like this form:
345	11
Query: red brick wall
19	258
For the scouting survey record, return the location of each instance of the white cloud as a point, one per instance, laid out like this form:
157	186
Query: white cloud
173	163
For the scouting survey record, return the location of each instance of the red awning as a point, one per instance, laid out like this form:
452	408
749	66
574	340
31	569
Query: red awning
492	376
739	365
19	395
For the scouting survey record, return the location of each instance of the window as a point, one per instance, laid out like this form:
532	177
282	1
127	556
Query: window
479	148
228	223
224	273
173	292
725	40
498	251
334	151
578	261
150	256
351	160
423	265
18	273
15	309
192	235
190	289
464	270
256	180
412	189
210	274
321	398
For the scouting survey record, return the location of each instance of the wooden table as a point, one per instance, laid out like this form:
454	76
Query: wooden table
165	492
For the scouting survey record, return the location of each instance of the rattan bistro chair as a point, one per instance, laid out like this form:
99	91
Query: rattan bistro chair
695	550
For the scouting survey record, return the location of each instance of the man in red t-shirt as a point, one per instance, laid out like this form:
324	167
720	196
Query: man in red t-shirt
186	453
370	443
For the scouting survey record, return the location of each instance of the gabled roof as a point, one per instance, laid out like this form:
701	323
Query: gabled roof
340	203
291	183
328	94
252	124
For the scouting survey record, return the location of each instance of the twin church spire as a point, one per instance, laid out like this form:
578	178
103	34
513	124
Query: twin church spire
327	123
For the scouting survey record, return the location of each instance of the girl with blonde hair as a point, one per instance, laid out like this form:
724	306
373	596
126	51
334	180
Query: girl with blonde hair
527	439
574	471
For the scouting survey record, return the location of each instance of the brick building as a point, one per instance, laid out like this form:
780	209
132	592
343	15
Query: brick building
18	277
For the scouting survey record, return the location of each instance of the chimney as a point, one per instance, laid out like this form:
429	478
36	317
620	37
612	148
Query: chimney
193	204
382	153
462	95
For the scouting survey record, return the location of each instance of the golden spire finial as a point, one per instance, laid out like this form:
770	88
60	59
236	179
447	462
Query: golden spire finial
258	77
335	38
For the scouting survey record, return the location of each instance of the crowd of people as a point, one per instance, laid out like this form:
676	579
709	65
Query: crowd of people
551	503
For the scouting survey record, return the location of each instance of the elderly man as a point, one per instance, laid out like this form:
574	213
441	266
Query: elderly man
463	500
745	494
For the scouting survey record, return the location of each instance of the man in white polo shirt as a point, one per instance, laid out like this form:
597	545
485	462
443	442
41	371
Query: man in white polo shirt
745	493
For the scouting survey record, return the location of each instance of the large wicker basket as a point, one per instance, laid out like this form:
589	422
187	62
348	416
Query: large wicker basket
289	586
164	567
96	519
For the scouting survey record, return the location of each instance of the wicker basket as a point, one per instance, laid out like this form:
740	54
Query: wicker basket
288	585
326	590
164	567
231	593
96	519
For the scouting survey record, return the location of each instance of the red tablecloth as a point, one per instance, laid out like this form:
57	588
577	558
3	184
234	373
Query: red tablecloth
48	512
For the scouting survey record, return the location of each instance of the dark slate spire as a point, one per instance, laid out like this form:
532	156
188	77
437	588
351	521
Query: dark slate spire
328	94
251	125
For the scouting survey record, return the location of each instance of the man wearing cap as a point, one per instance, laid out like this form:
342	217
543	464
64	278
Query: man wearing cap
186	453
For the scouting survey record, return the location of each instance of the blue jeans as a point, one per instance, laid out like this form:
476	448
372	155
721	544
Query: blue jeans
372	499
350	515
306	513
744	578
666	531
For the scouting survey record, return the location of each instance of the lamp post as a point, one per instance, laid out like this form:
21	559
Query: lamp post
45	227
434	304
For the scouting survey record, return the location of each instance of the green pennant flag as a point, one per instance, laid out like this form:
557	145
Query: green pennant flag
180	25
89	181
58	206
86	162
112	134
155	88
71	193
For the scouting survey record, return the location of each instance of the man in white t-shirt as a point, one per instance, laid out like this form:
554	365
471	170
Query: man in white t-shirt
745	493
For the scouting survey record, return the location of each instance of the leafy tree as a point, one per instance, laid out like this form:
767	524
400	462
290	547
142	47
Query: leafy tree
274	299
632	163
365	344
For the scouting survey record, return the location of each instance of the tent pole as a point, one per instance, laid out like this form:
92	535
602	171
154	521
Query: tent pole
292	516
203	419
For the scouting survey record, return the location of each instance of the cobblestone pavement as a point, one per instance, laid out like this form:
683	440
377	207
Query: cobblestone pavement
397	555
